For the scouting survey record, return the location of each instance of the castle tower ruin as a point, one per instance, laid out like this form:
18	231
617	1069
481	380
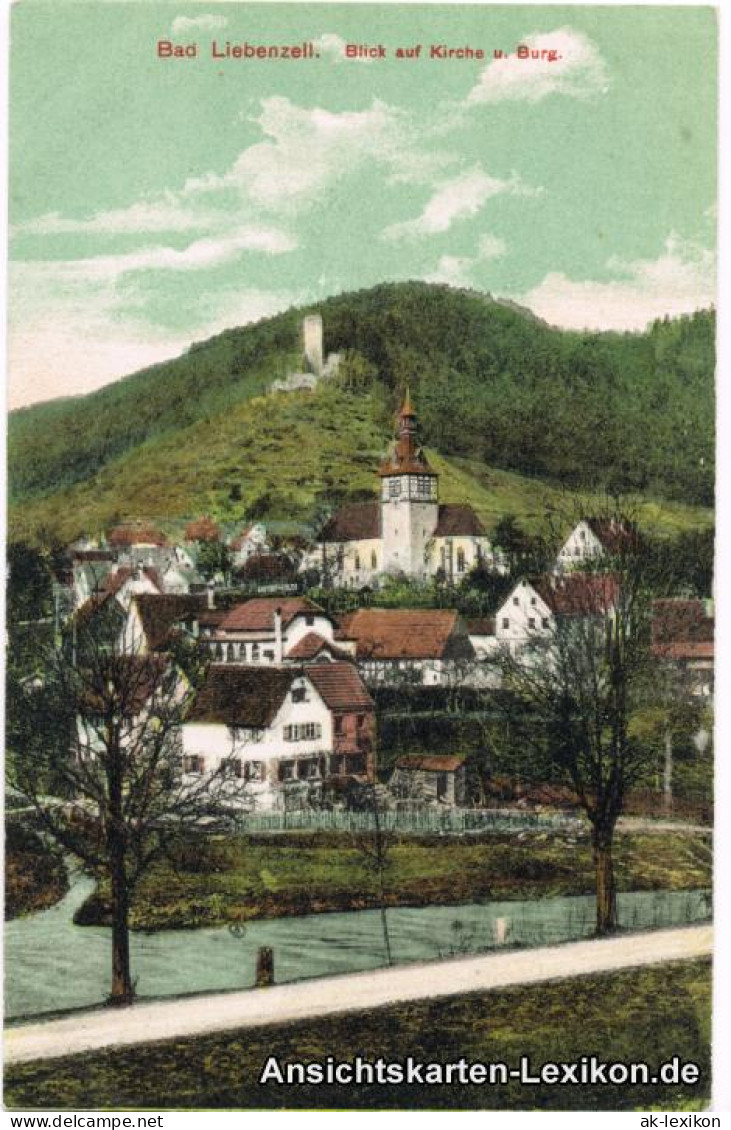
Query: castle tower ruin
312	334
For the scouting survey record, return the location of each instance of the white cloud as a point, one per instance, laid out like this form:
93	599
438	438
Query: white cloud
462	196
66	332
334	46
306	151
457	270
182	25
163	214
567	62
680	280
202	254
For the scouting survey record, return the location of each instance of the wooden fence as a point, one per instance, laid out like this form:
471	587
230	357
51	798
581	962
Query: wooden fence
426	822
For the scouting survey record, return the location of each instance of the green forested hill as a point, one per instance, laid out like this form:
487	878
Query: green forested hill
497	391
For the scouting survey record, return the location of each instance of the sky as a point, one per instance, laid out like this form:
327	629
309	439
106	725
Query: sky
156	201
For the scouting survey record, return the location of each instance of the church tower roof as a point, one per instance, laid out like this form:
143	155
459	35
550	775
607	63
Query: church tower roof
407	457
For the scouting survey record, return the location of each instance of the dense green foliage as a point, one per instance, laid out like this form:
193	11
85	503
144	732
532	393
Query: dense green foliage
494	386
35	875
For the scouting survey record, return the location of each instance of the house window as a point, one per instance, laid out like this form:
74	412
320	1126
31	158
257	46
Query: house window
356	764
361	721
460	561
357	562
516	601
309	619
582	535
309	768
506	621
231	767
230	653
533	602
299	694
339	727
304	732
286	770
442	785
255	653
192	763
269	655
253	771
374	560
394	488
531	622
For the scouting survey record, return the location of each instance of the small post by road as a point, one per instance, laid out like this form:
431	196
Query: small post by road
264	967
501	931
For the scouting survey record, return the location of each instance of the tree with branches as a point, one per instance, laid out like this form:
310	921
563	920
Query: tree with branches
96	744
586	677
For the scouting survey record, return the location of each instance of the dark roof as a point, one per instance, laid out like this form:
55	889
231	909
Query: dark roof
340	686
444	763
312	644
235	695
131	681
482	627
257	615
614	535
267	567
406	633
116	580
160	613
457	518
356	522
587	594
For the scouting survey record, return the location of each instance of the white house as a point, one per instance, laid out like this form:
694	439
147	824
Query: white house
247	543
406	530
592	539
265	629
284	731
530	611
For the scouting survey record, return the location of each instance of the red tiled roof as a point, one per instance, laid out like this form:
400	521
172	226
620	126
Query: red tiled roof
160	613
202	529
588	594
312	644
358	521
257	615
136	533
457	518
444	763
675	620
242	696
685	649
340	686
406	633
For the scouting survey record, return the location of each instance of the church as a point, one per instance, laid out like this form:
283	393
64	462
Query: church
407	530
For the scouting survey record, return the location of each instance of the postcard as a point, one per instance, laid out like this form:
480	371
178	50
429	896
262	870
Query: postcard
360	536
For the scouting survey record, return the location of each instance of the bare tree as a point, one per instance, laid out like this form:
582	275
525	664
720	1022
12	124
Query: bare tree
97	752
586	676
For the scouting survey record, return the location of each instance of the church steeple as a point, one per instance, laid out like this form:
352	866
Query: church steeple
407	457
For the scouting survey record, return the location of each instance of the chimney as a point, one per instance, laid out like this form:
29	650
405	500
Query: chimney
277	635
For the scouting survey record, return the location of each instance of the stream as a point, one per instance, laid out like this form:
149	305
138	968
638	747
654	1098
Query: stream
51	965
